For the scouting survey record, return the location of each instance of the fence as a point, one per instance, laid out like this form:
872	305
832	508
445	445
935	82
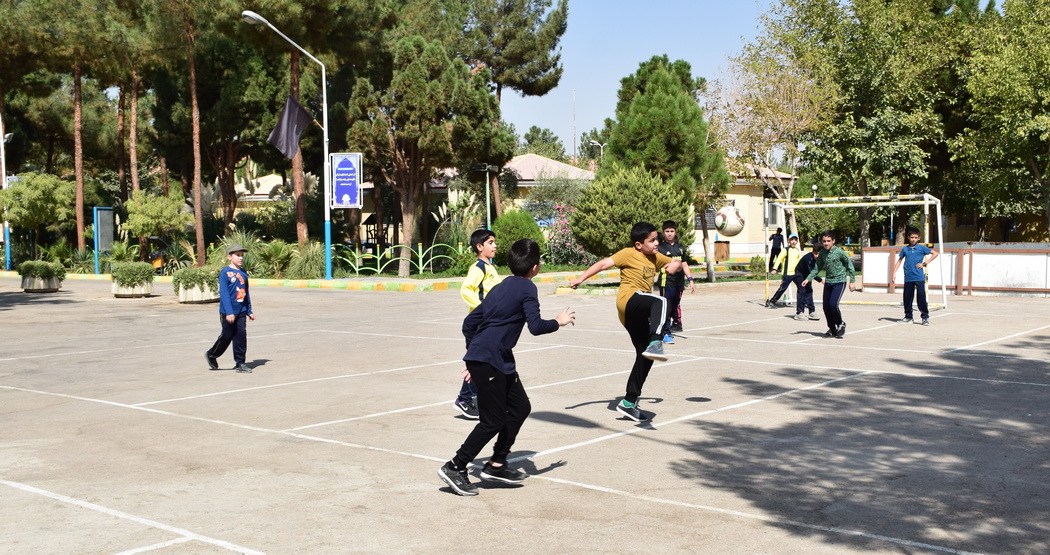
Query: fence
376	260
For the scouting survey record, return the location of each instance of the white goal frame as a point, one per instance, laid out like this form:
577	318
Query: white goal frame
925	200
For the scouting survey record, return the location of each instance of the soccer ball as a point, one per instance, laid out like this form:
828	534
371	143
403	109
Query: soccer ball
728	221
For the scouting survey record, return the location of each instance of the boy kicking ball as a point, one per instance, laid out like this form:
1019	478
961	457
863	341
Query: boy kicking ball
492	329
641	312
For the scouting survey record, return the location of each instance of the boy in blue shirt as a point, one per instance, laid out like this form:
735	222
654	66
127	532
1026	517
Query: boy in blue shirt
913	255
491	330
235	308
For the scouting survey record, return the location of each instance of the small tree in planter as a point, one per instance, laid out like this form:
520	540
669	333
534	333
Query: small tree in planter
132	279
39	276
196	285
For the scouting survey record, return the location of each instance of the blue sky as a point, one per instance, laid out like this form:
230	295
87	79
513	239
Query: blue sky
607	39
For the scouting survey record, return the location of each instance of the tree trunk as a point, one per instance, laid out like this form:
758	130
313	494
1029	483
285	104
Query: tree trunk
709	259
122	178
408	225
78	151
224	159
377	200
298	177
495	195
164	175
198	214
133	137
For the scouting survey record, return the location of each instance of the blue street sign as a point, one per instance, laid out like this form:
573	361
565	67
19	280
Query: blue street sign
346	184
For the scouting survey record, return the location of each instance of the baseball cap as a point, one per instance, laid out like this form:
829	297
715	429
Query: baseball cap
234	247
793	236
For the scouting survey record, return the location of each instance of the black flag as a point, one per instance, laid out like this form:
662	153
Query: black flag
294	119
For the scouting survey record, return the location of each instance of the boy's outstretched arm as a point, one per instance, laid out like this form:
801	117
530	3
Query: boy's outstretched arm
673	266
603	264
567	316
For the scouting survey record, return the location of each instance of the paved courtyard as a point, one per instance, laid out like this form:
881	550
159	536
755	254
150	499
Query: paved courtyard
765	437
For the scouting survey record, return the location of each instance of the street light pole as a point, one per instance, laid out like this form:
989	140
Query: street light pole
601	150
488	191
3	185
256	19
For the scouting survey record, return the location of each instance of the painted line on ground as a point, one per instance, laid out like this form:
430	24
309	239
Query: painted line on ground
155	546
137	519
754	516
968	347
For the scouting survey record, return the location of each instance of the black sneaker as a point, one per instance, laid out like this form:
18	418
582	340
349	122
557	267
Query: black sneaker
243	368
841	330
676	327
503	474
457	480
213	364
925	321
630	410
829	333
469	409
655	351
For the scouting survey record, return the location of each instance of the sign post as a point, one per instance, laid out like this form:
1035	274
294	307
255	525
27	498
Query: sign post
346	180
105	229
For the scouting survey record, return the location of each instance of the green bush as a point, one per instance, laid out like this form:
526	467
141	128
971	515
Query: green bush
512	226
616	201
42	269
130	274
307	262
757	267
206	277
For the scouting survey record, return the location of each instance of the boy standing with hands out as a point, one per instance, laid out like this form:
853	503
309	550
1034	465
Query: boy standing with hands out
641	312
492	330
235	308
913	255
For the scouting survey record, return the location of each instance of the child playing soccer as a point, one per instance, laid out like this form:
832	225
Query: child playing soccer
641	312
789	258
913	255
491	331
481	278
837	266
235	308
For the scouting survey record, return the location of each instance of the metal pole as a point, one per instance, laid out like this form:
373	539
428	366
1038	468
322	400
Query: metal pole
252	17
488	201
3	185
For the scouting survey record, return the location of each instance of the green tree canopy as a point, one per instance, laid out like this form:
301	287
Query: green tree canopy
39	201
543	142
150	214
618	199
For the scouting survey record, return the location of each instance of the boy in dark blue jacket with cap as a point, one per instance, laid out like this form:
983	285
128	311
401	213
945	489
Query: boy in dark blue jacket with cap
492	330
235	308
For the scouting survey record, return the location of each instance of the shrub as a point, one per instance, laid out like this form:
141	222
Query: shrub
562	247
206	277
274	258
130	274
616	201
512	226
757	267
308	262
42	269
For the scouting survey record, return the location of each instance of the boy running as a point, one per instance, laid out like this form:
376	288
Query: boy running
481	278
641	312
837	266
491	331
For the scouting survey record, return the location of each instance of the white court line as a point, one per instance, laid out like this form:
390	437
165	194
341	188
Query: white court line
997	340
327	378
149	346
133	518
610	436
155	546
865	330
754	516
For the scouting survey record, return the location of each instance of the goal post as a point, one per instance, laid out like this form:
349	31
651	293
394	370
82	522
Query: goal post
925	200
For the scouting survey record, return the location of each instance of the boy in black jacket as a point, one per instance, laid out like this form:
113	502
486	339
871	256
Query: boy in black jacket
491	330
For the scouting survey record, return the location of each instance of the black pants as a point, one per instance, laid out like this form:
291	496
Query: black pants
644	317
832	295
673	293
805	295
235	333
785	281
503	407
772	257
910	289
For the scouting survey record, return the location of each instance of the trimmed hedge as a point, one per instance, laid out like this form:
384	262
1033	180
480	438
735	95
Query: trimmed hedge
41	269
205	277
130	274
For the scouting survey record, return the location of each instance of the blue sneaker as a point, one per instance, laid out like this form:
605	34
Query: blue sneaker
668	338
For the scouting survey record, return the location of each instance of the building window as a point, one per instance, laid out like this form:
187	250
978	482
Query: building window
966	219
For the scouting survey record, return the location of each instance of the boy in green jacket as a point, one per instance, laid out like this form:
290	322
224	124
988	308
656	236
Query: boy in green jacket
837	266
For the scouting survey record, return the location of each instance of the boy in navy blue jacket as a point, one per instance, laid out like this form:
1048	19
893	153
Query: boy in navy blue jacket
491	330
235	308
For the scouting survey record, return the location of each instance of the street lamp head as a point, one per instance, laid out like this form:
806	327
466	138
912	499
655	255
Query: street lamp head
253	18
8	137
